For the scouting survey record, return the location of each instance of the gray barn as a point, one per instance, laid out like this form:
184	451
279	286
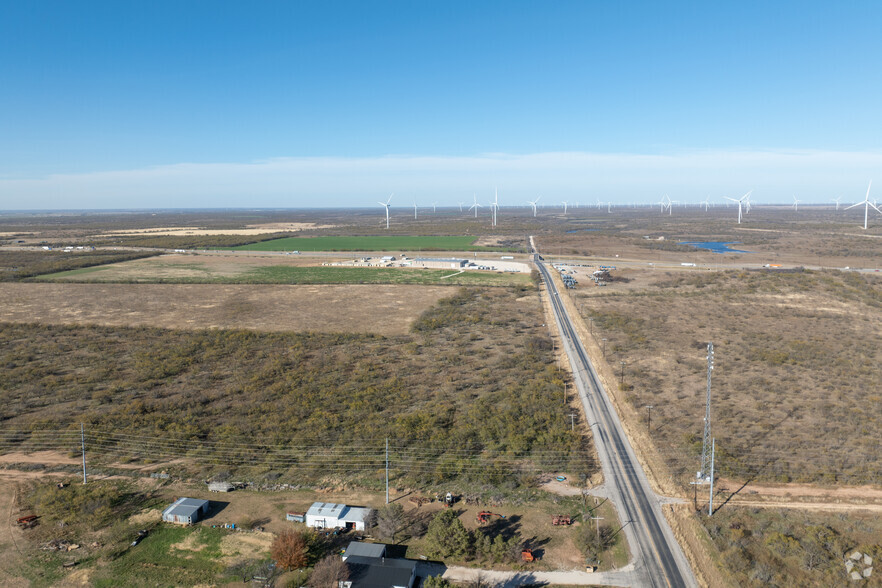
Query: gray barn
185	511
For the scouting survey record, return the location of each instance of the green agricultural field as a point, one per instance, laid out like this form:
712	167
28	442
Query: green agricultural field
207	271
371	243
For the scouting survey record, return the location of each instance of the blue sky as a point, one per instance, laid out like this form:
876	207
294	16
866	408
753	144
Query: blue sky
139	104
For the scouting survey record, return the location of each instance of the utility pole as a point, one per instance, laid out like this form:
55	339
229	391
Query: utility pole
604	346
565	393
83	449
622	378
704	472
572	421
710	504
387	470
649	419
592	327
597	525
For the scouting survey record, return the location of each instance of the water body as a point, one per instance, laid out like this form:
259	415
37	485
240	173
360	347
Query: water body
715	246
578	230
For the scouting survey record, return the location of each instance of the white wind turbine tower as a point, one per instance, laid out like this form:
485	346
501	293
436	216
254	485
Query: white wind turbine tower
476	206
666	203
867	204
533	204
662	204
434	204
705	203
836	200
740	201
386	206
608	206
599	204
414	211
795	204
565	207
460	206
494	206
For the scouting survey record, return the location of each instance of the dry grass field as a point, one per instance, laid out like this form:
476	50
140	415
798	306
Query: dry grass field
380	309
473	376
814	238
796	380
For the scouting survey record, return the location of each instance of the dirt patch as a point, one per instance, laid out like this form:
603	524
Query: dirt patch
793	491
148	516
381	309
189	543
81	577
245	546
47	457
11	537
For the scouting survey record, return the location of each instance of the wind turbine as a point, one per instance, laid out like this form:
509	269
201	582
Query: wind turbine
533	204
608	206
414	211
705	202
795	204
565	207
867	204
386	206
476	206
741	201
460	206
494	206
434	204
836	200
599	204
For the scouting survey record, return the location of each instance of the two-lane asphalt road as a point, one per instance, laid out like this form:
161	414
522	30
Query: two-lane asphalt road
658	558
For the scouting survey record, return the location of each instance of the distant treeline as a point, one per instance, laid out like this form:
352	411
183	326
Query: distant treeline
17	265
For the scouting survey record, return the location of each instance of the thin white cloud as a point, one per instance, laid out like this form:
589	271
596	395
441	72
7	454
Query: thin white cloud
774	175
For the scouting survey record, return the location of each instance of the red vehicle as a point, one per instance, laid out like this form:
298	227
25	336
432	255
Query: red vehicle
27	522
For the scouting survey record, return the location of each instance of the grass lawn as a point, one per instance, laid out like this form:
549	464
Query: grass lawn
281	274
158	557
368	243
363	275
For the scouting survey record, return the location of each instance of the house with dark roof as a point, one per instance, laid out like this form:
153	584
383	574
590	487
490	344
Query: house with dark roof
370	568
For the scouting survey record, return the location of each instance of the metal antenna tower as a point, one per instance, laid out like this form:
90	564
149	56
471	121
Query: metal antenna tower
704	474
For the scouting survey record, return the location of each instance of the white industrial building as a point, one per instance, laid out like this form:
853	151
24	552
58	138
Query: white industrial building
440	262
327	515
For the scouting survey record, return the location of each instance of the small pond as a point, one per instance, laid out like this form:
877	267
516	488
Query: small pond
715	246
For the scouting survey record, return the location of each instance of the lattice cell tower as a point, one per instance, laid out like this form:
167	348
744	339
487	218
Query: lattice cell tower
704	474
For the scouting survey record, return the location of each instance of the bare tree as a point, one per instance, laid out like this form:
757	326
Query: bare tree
390	519
328	573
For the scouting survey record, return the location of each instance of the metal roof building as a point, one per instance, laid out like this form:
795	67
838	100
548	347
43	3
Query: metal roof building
440	262
380	572
361	549
185	511
327	515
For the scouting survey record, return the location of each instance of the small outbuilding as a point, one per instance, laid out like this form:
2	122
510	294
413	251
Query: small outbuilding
220	487
327	515
185	511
